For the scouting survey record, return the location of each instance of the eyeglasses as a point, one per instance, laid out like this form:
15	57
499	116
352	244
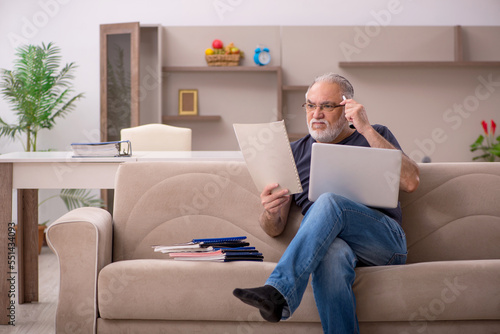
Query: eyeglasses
309	107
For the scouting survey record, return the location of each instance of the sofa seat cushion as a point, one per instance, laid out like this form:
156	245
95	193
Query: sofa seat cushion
431	291
184	290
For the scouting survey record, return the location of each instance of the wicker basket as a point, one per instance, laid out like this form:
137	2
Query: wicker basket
223	60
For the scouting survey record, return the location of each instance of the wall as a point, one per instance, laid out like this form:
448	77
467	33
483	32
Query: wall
74	26
247	97
415	100
434	111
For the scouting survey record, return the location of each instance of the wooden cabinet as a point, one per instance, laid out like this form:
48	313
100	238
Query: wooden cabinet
130	71
221	69
458	61
226	95
253	94
289	115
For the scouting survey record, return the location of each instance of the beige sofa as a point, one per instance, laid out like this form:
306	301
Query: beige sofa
113	282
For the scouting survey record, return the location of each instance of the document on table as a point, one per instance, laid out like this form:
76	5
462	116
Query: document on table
268	155
102	149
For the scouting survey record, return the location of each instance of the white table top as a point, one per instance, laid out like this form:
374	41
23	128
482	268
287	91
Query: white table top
58	170
58	156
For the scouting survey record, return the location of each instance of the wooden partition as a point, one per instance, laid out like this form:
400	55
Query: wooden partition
431	85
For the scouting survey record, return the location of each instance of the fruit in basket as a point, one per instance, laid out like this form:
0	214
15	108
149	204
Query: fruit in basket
227	48
217	44
220	55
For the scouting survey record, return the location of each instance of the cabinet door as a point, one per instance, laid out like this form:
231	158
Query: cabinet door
119	78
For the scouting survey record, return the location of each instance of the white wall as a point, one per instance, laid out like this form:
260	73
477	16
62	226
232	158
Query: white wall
74	26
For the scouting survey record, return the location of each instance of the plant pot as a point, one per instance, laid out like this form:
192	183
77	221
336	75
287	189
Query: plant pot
41	236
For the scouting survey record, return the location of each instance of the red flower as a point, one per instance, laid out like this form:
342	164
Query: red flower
493	127
485	127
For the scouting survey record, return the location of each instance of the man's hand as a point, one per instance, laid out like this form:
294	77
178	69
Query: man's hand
356	114
276	206
273	202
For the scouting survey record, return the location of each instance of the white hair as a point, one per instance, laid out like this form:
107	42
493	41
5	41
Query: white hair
344	84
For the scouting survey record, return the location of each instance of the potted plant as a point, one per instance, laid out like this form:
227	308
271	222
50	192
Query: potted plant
490	149
39	93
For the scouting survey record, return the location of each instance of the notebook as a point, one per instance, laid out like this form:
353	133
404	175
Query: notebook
366	175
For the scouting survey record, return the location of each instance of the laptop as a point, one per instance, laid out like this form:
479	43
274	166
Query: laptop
366	175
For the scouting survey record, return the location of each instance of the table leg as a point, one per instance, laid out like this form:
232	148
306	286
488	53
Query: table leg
27	226
5	221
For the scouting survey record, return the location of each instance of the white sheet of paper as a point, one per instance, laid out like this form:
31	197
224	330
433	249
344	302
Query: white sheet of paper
267	153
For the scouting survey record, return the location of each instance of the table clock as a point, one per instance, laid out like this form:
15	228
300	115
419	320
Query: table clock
262	56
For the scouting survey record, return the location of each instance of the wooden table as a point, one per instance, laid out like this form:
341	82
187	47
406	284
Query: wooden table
27	172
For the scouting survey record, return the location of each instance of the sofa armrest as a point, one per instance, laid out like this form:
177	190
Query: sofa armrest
82	241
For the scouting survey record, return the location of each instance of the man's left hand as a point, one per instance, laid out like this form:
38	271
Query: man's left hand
356	114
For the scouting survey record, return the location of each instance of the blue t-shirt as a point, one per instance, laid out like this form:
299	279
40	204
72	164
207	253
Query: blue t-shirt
302	153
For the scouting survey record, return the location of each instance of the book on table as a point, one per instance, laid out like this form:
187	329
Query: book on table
212	249
121	148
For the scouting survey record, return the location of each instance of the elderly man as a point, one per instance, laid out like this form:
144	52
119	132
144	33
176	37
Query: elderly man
336	234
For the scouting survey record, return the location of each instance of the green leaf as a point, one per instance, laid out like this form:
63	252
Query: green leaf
478	141
495	150
37	91
477	144
76	198
484	157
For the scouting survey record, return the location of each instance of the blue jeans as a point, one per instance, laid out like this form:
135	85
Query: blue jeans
334	234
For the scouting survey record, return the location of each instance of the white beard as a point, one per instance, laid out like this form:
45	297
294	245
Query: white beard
329	134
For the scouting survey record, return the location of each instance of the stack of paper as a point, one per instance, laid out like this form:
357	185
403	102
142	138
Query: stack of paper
102	149
212	249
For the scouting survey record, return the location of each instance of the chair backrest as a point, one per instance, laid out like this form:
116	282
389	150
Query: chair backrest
158	137
454	214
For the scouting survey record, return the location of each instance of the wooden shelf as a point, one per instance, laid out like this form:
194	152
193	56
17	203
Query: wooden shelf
458	60
221	69
207	118
375	64
233	69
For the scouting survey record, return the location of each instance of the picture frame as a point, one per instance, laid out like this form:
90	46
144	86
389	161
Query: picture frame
188	102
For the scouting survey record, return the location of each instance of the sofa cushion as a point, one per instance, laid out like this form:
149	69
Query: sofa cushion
415	293
454	213
424	292
171	202
186	290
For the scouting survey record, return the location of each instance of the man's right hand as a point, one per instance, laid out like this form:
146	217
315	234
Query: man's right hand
273	202
276	205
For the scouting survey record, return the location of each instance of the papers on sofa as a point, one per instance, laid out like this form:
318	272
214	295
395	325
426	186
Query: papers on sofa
222	255
268	155
212	249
